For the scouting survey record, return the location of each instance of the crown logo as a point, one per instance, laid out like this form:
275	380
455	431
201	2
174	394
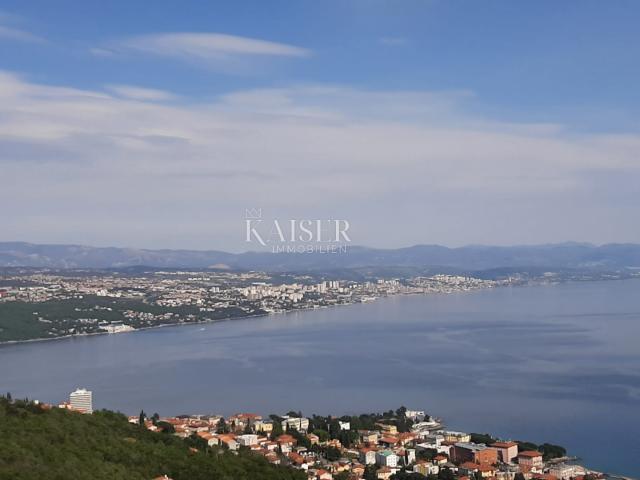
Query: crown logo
253	213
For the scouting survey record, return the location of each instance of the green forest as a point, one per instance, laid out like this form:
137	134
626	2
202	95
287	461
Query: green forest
56	444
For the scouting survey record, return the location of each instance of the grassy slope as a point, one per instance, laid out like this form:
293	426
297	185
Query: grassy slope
62	445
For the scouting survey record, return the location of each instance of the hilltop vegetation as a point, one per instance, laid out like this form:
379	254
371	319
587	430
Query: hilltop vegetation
56	444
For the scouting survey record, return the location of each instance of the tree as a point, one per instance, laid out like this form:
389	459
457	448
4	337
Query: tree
426	454
277	430
222	426
106	446
142	418
332	454
482	438
370	473
446	474
550	451
166	427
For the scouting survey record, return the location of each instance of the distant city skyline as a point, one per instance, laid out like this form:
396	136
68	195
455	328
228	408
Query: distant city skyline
418	122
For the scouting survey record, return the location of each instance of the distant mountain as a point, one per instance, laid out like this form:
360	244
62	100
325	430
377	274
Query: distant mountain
469	258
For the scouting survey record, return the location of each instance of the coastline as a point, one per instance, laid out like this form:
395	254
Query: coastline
239	317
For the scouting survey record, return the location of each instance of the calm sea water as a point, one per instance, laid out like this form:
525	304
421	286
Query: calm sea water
555	363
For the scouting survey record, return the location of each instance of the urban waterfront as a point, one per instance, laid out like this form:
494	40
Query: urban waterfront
551	363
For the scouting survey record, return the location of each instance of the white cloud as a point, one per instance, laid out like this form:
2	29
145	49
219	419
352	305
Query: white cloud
211	49
140	93
16	34
403	167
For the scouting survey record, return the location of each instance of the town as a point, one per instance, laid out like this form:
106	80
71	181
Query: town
44	304
396	444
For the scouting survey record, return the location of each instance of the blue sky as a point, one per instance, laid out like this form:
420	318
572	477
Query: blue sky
543	93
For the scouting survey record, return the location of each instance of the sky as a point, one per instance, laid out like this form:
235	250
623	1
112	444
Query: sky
157	124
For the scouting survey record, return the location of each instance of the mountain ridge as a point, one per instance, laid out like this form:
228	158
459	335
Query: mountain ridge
472	257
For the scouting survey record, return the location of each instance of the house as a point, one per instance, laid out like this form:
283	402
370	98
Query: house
407	438
240	421
263	426
247	440
300	424
344	425
286	439
388	440
455	437
229	441
335	443
368	455
562	471
425	468
473	452
386	458
313	438
386	428
530	460
296	459
367	436
323	475
409	456
487	471
507	451
209	438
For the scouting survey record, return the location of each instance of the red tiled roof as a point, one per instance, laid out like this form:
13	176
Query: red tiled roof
504	444
530	454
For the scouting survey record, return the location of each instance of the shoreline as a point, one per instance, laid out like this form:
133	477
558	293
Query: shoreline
241	317
228	319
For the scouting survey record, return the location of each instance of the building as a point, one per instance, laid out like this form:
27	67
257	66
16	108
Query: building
367	436
530	460
566	472
456	436
368	456
344	425
507	451
81	400
263	426
299	424
247	440
426	468
473	452
386	458
415	415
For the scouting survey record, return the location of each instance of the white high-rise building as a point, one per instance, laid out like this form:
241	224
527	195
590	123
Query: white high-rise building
82	400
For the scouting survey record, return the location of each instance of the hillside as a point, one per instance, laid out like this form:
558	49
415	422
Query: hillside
62	445
553	256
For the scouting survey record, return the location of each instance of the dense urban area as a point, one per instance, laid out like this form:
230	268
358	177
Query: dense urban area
40	304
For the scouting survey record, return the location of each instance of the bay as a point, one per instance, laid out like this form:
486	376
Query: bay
554	363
